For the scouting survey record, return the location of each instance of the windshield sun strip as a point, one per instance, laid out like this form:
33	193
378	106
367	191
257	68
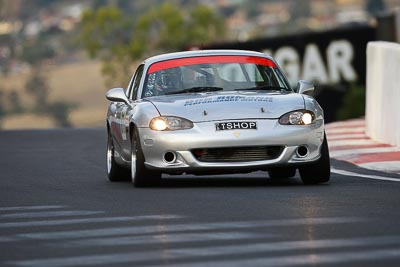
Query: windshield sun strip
179	62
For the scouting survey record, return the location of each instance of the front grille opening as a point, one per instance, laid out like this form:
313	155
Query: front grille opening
237	154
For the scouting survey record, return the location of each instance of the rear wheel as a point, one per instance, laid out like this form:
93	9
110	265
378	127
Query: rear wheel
319	171
141	176
114	171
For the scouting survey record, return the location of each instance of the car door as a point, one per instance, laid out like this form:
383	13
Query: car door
125	111
115	118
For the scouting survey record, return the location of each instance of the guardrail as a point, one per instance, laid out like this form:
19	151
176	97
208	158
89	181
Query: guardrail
382	114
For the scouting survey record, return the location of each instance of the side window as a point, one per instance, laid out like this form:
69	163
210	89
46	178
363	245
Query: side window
135	83
129	88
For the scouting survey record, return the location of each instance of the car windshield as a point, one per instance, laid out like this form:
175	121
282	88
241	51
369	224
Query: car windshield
213	73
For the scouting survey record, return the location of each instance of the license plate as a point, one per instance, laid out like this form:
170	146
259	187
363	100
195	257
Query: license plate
241	125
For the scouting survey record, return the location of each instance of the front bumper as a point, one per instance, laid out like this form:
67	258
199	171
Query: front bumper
156	144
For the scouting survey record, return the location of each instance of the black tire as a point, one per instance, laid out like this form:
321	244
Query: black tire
281	173
115	172
319	171
140	176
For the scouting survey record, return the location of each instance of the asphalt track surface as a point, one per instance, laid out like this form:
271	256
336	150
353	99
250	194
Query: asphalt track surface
57	208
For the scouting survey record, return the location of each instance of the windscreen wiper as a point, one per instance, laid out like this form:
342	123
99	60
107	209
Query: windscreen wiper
199	89
264	87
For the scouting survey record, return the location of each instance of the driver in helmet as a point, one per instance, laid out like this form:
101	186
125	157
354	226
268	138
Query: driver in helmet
168	80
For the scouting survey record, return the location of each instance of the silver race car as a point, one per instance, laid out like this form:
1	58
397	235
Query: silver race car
214	112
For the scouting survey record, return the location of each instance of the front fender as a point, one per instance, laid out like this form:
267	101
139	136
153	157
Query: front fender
142	113
311	104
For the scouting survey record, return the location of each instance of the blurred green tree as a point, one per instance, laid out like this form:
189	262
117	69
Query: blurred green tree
374	7
15	102
37	86
204	26
353	103
34	51
105	31
162	28
119	41
106	34
60	111
2	109
301	10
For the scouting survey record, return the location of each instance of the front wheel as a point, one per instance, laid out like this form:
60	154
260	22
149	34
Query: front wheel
319	171
141	176
114	171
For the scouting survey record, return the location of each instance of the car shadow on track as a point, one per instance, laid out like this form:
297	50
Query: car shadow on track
255	179
226	182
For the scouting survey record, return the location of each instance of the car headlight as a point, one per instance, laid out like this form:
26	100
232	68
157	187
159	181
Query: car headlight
170	123
298	117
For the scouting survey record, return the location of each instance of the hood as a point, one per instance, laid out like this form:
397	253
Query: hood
227	105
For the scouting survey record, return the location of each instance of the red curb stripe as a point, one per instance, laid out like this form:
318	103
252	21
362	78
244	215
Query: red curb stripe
347	129
341	133
348	138
349	147
376	157
329	127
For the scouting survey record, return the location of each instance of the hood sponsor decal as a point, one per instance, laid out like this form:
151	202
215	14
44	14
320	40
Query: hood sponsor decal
219	99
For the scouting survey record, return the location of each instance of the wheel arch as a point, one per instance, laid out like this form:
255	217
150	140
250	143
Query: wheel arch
132	127
108	126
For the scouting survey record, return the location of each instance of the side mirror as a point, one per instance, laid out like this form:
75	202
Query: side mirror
304	86
117	95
